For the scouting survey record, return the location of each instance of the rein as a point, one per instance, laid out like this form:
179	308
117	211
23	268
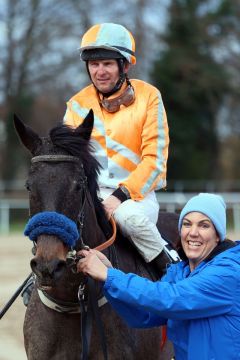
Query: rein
14	297
110	241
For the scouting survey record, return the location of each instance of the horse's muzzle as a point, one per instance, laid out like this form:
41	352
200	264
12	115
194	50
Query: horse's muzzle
48	272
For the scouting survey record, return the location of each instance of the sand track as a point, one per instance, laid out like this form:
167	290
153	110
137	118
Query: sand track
15	253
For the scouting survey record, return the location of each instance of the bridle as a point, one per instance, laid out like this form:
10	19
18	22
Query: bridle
73	258
83	184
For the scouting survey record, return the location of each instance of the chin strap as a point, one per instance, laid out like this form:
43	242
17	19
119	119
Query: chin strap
122	77
117	87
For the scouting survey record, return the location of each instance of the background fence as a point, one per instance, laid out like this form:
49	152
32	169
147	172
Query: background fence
171	202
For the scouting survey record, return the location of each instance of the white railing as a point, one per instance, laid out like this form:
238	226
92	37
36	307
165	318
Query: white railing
170	202
6	205
174	201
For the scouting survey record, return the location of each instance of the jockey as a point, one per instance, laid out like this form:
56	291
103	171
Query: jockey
130	136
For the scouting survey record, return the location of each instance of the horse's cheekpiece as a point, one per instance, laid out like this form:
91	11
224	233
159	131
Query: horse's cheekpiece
73	258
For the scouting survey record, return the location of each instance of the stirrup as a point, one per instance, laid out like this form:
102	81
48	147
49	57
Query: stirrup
27	290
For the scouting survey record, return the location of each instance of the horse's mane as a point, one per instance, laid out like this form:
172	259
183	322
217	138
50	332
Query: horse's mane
73	142
76	143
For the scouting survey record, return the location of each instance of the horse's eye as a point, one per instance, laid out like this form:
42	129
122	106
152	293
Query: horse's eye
27	186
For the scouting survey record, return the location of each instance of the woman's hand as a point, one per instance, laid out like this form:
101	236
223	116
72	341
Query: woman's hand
94	264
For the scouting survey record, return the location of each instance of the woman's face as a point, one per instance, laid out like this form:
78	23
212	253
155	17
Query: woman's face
198	237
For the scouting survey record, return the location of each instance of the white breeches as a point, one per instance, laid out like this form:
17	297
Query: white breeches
137	221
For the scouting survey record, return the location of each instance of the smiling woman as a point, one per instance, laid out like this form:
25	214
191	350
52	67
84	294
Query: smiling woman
202	225
198	298
199	238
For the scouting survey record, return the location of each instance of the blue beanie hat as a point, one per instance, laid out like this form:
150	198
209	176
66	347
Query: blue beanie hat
211	205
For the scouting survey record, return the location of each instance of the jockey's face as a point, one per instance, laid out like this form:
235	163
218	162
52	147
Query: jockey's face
104	74
198	237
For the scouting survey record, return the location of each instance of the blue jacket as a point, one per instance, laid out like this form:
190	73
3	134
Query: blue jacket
201	308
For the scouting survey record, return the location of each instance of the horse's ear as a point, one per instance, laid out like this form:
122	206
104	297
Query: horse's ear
87	125
27	136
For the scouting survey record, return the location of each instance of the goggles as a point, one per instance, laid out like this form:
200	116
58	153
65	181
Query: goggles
126	99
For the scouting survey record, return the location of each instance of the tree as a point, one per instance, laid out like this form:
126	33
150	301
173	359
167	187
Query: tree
40	67
227	37
34	62
193	84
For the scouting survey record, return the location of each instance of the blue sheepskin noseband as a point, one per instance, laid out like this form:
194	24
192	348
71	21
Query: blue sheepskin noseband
52	223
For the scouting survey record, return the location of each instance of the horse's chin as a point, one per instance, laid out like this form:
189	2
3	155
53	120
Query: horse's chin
45	287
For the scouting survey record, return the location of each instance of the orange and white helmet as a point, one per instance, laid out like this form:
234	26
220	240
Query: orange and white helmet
108	41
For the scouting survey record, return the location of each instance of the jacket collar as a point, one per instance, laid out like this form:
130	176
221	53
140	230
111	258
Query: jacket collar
183	269
221	247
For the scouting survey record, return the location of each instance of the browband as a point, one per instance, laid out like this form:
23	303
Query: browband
54	158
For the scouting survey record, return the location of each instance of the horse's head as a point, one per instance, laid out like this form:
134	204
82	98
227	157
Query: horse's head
57	166
62	186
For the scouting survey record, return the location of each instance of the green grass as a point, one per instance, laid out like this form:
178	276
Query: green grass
17	227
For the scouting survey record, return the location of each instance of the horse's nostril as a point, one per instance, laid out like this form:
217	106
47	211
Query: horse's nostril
60	267
33	264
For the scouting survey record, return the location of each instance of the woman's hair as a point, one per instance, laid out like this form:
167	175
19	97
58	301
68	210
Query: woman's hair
180	250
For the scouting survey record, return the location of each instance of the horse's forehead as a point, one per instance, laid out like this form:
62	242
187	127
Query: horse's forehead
47	143
48	147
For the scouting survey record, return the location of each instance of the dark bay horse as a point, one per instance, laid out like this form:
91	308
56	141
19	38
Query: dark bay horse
63	181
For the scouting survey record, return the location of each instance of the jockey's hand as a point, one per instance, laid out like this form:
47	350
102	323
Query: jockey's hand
94	264
111	204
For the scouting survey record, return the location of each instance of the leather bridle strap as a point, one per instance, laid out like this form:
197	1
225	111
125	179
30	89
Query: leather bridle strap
86	324
94	307
86	320
109	242
55	158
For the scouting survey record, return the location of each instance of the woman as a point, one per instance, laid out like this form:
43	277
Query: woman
198	298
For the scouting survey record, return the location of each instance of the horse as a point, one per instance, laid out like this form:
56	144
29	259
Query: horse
62	181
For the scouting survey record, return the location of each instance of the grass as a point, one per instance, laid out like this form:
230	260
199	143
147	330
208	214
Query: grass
17	227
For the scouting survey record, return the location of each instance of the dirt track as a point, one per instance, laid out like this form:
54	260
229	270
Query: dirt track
15	253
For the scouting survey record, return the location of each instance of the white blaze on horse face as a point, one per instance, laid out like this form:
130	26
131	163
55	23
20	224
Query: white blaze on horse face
49	247
198	237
